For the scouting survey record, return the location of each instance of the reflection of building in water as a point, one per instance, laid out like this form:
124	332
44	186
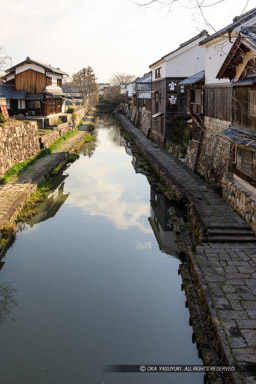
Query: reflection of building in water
50	207
161	213
137	164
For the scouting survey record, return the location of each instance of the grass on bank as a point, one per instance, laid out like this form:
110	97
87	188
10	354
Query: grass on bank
30	207
16	169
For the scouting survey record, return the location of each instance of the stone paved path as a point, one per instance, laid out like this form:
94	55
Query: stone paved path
14	194
226	271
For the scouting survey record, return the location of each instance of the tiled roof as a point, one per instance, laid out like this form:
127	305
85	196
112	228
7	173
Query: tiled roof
34	96
19	95
238	20
246	81
147	77
7	91
48	67
144	87
193	79
240	136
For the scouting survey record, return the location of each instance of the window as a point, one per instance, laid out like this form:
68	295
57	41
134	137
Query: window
34	104
244	161
48	80
158	73
252	103
59	83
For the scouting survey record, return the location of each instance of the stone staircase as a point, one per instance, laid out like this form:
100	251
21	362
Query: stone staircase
230	234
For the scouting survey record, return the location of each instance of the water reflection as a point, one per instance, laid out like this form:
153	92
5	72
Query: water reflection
93	288
52	204
161	213
107	194
88	149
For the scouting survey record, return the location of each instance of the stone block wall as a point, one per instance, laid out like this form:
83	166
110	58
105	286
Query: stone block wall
51	137
241	200
18	141
214	153
80	114
145	123
191	155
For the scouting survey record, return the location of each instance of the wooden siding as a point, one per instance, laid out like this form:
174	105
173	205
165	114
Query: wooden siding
218	103
242	110
30	81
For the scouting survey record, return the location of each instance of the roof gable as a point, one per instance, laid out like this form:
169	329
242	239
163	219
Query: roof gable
239	53
47	67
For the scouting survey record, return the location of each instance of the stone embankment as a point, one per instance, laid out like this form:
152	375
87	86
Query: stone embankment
224	265
18	141
14	194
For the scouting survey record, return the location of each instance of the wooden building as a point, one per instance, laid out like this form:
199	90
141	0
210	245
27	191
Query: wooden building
240	68
33	88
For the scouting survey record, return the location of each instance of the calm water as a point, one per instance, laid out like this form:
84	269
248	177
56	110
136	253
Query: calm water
92	280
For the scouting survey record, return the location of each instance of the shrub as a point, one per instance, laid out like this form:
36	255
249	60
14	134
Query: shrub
2	120
70	110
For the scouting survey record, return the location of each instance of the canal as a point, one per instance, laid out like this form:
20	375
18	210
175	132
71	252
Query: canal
92	280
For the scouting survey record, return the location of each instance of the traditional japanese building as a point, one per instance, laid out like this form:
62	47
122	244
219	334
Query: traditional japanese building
169	99
33	88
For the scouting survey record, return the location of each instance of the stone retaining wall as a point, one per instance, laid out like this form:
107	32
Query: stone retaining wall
18	141
79	115
214	152
50	138
241	200
145	124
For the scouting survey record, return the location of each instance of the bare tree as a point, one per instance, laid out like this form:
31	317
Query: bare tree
5	61
198	7
120	77
86	85
112	94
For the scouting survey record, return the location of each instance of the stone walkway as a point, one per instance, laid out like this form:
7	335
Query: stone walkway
225	263
14	194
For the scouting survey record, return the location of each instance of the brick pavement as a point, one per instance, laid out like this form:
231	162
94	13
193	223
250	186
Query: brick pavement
224	264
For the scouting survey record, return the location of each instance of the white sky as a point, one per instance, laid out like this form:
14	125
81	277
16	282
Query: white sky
109	35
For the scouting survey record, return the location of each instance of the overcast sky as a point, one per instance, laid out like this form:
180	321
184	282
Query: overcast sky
109	35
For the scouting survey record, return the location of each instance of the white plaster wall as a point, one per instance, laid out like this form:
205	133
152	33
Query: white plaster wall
54	77
63	108
187	63
163	70
129	89
215	55
25	67
9	77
